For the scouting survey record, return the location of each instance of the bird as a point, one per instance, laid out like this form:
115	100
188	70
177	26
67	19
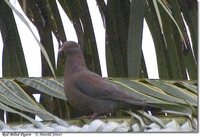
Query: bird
87	91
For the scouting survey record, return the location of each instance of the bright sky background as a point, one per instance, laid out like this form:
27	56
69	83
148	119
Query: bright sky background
32	50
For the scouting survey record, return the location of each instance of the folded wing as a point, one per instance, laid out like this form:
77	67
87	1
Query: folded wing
95	86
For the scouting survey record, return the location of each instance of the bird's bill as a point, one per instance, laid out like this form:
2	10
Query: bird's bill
60	49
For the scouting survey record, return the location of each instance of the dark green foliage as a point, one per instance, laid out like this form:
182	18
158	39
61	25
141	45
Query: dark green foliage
178	96
78	13
124	27
123	22
134	49
13	63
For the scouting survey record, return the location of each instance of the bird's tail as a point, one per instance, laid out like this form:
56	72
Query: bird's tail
153	107
144	105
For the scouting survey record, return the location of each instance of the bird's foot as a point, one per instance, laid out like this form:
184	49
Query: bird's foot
93	116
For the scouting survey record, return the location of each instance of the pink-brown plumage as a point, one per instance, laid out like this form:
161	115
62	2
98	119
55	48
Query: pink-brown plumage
89	92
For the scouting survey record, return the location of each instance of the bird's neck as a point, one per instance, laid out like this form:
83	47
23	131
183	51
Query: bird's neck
74	63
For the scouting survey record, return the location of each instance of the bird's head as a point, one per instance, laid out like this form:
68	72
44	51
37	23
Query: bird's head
69	47
71	53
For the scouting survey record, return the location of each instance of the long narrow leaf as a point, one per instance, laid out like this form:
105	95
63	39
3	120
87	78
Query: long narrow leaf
134	50
153	119
18	90
151	91
167	11
13	60
190	86
158	14
20	101
175	91
50	87
28	26
137	94
36	123
134	115
159	43
37	109
10	103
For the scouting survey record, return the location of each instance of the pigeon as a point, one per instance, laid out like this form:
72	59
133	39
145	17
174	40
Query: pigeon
88	92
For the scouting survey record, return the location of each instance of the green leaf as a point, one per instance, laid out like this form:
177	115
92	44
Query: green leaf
13	60
159	43
8	93
170	15
36	123
36	109
175	58
137	94
158	14
151	91
193	88
41	46
139	118
134	51
10	103
175	91
116	39
153	119
18	91
48	86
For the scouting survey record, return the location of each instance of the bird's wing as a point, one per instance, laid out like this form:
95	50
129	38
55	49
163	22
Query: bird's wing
95	86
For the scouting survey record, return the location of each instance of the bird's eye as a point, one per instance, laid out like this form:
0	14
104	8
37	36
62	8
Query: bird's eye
61	53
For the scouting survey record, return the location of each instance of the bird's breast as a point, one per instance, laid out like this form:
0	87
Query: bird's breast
87	104
77	99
